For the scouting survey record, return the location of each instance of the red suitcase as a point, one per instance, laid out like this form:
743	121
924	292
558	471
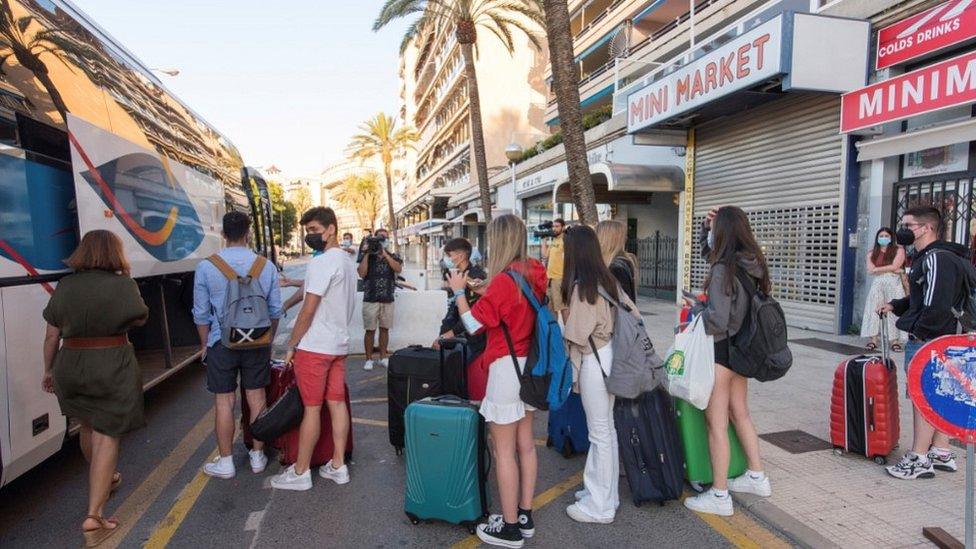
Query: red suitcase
288	443
864	405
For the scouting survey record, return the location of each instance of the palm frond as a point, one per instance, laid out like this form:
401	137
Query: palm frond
396	9
499	29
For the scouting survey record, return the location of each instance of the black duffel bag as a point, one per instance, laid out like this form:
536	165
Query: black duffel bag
279	418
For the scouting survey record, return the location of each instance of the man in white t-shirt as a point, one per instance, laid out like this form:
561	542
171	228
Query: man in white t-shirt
318	347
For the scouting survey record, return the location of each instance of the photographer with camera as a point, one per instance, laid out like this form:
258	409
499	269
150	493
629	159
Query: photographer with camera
378	267
552	256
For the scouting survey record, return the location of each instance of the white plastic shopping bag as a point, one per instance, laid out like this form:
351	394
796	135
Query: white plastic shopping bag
691	365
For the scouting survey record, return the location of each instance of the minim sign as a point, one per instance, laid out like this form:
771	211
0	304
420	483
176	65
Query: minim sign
743	62
939	86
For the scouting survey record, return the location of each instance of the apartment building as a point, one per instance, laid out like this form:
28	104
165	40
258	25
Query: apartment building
434	100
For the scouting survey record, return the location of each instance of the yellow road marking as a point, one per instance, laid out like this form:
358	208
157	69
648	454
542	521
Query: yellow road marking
373	422
371	379
374	400
146	493
742	531
164	531
540	501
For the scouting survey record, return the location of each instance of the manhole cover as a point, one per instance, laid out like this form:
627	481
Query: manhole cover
796	442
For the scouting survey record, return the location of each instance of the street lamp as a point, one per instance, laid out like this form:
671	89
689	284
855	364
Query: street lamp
513	152
167	72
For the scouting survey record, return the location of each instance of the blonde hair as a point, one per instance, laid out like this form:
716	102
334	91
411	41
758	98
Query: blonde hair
507	240
100	250
612	235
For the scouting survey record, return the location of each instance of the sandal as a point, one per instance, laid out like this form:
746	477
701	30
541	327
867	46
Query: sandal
96	536
872	346
896	347
116	481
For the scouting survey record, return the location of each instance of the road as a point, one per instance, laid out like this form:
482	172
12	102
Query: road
165	501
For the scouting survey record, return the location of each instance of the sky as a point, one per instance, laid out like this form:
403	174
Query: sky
288	86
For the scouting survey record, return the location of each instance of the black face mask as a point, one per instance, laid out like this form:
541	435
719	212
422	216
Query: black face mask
315	241
905	236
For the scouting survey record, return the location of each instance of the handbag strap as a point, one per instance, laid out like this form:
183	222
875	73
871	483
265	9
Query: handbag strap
596	354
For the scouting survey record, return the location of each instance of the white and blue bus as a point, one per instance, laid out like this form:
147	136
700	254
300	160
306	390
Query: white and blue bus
91	139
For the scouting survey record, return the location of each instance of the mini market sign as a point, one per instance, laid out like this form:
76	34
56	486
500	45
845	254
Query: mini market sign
749	59
810	52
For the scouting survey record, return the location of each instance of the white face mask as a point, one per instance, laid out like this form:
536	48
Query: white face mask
711	239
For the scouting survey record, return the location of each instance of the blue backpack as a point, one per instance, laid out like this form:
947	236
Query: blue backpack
548	376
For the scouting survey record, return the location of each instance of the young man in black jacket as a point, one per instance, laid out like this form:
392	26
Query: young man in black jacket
935	288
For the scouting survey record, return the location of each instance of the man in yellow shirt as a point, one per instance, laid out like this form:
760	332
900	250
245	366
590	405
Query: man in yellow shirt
552	253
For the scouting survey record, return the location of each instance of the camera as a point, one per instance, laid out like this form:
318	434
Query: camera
374	244
544	230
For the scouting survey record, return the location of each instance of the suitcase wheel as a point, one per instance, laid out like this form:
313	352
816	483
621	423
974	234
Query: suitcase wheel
880	460
413	519
838	451
567	449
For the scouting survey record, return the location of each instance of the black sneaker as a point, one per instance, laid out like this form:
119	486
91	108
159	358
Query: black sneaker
526	526
497	532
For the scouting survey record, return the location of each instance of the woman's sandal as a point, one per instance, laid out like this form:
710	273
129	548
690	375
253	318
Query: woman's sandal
896	347
96	536
872	346
116	481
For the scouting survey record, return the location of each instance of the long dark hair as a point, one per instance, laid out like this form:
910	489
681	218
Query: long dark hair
733	238
888	255
584	266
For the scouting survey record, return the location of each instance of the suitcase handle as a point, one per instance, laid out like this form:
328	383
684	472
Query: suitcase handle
885	351
871	413
450	343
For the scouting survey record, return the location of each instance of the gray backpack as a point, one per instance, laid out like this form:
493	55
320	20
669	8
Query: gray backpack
636	367
246	322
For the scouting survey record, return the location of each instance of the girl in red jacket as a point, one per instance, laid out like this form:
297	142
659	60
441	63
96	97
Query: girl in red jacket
509	419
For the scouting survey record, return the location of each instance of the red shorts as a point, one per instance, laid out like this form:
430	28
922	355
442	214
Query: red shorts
320	377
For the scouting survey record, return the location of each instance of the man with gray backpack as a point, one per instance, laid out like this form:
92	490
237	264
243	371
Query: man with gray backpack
236	307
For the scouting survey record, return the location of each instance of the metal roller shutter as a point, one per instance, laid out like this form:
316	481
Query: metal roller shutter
781	163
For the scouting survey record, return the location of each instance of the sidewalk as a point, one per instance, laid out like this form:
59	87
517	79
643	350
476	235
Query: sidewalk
821	499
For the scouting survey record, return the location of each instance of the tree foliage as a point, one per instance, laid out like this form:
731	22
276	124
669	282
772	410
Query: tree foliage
284	215
362	195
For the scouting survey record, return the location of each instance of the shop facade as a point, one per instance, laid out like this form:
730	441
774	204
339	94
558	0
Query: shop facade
913	128
761	106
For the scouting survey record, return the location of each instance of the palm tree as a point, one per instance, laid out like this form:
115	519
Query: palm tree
361	194
500	17
27	50
565	84
380	137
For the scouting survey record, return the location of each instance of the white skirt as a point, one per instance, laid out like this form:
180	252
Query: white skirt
502	404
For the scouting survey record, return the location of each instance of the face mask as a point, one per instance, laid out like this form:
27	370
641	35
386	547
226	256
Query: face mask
315	241
711	240
905	236
884	240
346	243
448	262
386	244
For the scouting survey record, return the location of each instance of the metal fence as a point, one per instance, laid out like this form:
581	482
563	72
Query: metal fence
657	261
951	195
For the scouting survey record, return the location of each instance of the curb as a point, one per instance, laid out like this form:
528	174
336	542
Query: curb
793	529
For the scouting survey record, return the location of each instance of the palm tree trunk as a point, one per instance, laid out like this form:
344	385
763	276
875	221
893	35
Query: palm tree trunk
566	78
389	206
477	131
39	69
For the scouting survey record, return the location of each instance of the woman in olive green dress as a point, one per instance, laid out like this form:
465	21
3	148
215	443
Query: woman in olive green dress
94	370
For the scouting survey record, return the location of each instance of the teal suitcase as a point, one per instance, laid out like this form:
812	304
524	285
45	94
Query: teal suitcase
447	462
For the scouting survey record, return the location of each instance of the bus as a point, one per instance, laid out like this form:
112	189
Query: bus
91	139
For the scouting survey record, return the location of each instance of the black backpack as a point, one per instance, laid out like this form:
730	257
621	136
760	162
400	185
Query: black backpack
965	310
759	349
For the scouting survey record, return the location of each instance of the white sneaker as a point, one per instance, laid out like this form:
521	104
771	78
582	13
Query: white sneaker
942	459
747	484
580	494
259	461
220	467
368	366
709	502
385	362
338	476
579	515
289	480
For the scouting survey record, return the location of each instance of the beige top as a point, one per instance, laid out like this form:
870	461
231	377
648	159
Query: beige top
586	320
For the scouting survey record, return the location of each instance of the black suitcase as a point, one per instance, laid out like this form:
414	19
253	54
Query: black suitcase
649	446
418	372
